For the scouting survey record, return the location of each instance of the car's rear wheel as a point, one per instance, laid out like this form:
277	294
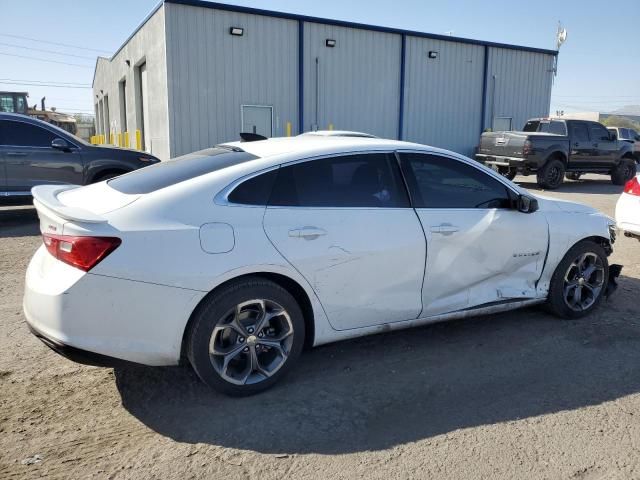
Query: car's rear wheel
580	280
623	172
551	175
246	337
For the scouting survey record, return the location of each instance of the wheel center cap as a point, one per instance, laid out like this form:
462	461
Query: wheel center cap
581	281
252	340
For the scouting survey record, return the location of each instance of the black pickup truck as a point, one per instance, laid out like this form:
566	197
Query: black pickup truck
553	148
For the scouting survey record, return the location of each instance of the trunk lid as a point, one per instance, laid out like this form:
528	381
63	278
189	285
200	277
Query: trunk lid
503	144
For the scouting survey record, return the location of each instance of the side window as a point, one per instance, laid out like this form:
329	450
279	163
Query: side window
558	128
254	191
441	182
26	135
579	132
6	103
599	133
363	180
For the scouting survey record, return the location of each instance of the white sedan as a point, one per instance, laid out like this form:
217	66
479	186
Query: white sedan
628	209
236	257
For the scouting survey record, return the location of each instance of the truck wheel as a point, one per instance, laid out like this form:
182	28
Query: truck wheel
551	175
573	176
507	172
624	172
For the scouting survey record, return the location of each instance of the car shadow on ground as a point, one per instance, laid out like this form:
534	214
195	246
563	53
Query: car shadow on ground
18	221
599	184
377	392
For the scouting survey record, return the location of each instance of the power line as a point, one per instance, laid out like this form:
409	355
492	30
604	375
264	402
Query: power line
41	85
45	60
53	43
13	45
45	82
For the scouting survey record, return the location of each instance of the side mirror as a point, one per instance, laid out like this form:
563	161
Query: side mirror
60	144
527	204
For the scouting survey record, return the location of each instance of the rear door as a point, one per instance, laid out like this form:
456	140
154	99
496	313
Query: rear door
605	149
30	160
582	152
345	223
479	249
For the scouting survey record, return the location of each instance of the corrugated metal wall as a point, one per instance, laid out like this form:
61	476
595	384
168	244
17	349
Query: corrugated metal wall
358	80
212	73
518	85
443	96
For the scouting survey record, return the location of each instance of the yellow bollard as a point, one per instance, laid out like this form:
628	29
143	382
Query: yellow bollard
138	140
288	129
330	126
112	138
126	139
119	139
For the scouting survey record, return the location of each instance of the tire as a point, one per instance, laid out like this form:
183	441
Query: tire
623	172
573	176
566	282
507	172
218	327
551	175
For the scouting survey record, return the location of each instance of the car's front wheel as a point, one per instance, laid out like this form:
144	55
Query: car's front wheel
245	337
580	281
623	172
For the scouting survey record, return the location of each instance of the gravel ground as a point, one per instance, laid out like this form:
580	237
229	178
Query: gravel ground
515	395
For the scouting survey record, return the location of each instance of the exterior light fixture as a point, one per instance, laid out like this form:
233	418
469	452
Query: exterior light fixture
330	42
237	31
433	54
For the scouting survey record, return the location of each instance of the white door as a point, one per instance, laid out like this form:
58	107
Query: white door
480	249
144	97
346	225
257	119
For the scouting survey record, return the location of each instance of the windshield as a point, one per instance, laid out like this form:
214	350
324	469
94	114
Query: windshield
180	169
546	126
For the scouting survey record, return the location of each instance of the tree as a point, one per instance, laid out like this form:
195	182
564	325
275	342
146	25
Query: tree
617	121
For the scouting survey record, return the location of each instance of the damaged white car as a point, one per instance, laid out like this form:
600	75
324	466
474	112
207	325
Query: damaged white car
236	257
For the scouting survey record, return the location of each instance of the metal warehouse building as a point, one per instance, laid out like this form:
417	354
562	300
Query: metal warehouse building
197	73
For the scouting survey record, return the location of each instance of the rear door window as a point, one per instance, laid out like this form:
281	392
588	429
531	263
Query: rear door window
361	180
579	132
171	172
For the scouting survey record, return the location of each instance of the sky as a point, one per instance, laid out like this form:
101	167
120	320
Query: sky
598	68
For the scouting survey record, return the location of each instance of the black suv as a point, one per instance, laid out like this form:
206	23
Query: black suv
33	152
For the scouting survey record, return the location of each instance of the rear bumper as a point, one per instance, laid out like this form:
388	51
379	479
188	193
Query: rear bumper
78	355
96	319
501	161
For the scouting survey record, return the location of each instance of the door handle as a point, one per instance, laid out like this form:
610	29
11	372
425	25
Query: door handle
445	229
576	144
308	233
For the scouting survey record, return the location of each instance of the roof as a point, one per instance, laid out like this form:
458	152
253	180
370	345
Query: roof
311	145
329	21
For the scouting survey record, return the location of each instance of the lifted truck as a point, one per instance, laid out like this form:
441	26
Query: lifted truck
553	148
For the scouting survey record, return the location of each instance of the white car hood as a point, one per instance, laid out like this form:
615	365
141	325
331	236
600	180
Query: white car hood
551	204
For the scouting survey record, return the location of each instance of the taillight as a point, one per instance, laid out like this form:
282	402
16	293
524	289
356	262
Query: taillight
80	252
528	148
632	187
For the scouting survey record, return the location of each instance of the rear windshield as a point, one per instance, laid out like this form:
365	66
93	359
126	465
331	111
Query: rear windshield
545	126
164	174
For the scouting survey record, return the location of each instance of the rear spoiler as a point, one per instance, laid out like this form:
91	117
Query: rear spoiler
45	198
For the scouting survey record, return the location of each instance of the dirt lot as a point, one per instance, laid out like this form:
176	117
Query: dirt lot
516	395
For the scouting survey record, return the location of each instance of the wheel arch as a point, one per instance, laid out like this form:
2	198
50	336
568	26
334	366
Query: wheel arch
557	155
289	284
604	242
95	176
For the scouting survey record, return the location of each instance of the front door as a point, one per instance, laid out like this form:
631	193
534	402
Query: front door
479	249
257	119
30	160
606	149
346	225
